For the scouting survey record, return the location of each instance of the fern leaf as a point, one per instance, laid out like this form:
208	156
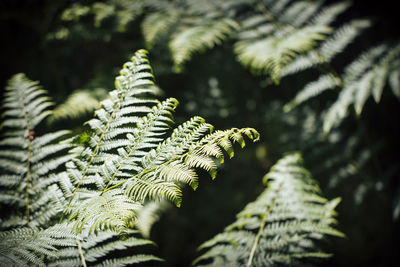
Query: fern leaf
24	246
99	250
324	82
270	54
109	211
157	25
78	104
300	12
331	47
364	77
328	14
280	227
27	160
149	214
121	162
199	37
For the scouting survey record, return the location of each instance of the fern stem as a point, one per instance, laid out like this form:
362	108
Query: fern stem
28	183
28	160
115	186
81	253
263	223
124	181
253	249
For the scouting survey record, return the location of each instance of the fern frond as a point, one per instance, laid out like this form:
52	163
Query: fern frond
324	82
157	25
24	246
109	211
198	37
99	250
279	34
79	103
149	214
300	13
270	54
328	49
121	162
26	161
328	14
280	227
366	76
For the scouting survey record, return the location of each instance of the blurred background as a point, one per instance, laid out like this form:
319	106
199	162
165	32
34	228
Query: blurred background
357	161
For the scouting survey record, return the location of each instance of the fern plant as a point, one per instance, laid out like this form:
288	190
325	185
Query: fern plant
267	34
278	38
281	227
123	160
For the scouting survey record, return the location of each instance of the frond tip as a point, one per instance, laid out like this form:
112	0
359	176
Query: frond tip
280	227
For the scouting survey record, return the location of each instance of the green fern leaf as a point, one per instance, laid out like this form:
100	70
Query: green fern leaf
79	103
27	161
280	226
270	54
149	214
324	82
26	246
328	49
198	37
157	25
364	77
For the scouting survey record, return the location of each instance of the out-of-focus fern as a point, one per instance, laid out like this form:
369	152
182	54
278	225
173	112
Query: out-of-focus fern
268	35
280	227
124	11
201	26
149	214
329	49
277	32
278	38
365	76
346	157
199	36
78	104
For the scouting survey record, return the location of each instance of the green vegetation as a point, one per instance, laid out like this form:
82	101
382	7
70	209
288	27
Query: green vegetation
319	80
